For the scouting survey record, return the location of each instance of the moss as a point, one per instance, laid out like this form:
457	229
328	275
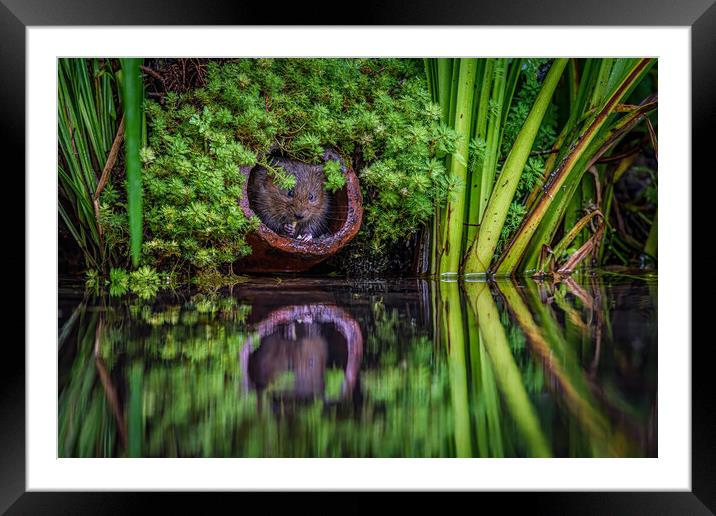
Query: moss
376	113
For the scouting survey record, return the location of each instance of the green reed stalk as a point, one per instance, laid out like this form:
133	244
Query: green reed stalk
496	91
441	86
494	131
481	111
569	172
481	254
133	98
453	218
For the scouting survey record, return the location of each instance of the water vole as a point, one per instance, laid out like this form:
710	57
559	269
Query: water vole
301	212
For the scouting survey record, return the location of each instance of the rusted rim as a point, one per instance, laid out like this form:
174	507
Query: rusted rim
320	247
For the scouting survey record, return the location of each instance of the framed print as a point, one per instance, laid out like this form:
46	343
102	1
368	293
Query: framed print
420	256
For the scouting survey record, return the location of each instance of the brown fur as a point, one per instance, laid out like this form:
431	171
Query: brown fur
307	211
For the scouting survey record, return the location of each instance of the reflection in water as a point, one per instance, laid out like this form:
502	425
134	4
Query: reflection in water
308	368
303	341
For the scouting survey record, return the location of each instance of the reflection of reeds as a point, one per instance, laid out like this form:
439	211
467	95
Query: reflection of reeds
453	333
547	341
492	369
86	424
110	390
506	372
167	383
484	397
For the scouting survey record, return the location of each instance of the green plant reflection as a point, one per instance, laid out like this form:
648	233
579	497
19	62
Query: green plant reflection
328	368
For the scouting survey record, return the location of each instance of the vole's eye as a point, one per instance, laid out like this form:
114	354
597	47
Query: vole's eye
290	192
311	197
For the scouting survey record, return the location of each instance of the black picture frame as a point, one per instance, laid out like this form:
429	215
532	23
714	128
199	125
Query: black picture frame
700	15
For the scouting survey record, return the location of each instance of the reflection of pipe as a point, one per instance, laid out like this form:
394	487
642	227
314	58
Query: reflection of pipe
109	390
318	313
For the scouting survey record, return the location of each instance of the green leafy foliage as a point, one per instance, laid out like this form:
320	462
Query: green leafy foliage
144	282
92	281
533	72
118	282
335	180
376	113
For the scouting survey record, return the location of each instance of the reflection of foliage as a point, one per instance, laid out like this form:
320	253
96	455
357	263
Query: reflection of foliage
177	372
334	379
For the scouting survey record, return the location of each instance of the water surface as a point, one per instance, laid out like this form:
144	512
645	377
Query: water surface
291	367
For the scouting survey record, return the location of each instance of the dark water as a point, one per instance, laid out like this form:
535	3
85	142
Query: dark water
330	368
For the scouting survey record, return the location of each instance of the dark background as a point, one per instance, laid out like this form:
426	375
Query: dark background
15	15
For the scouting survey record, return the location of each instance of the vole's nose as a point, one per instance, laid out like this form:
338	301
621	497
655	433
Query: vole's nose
299	216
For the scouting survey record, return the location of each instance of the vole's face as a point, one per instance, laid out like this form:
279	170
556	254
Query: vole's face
306	200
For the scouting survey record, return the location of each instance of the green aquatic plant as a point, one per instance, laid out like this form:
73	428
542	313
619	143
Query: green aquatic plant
525	184
375	113
592	129
118	282
144	282
132	95
503	191
476	100
92	280
87	124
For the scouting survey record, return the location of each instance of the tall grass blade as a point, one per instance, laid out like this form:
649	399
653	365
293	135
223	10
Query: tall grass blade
86	118
480	256
133	97
514	251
